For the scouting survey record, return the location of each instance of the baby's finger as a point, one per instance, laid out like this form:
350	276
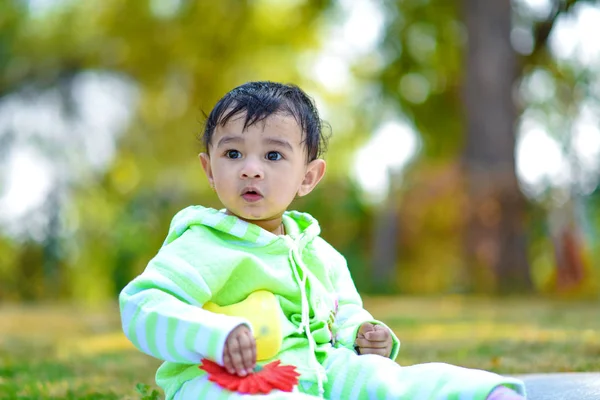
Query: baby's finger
378	335
373	350
246	344
227	361
370	343
365	327
235	352
381	328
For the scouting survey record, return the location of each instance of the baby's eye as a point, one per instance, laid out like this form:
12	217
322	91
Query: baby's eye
233	154
274	156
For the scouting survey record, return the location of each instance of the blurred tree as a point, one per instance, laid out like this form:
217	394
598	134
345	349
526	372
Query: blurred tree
173	58
436	53
158	62
495	230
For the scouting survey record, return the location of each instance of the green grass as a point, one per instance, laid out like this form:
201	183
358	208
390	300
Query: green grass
64	352
67	352
510	336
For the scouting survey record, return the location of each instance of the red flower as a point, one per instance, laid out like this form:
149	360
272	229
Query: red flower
263	380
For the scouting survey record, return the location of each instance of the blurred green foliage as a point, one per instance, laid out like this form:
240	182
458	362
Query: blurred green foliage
175	62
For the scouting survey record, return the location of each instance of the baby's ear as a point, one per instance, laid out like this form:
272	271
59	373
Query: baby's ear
314	173
205	160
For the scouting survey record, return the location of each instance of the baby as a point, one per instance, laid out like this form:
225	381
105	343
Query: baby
254	282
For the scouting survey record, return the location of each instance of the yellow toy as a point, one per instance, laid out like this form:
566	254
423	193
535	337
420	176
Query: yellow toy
261	308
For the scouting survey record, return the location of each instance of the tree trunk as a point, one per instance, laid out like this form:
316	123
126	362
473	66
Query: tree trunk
495	238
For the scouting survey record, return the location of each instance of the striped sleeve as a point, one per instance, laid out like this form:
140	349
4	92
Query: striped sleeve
161	310
351	314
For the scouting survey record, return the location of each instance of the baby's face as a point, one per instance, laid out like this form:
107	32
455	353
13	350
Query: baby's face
257	172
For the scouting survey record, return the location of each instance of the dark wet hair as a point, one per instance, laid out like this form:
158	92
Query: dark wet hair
259	100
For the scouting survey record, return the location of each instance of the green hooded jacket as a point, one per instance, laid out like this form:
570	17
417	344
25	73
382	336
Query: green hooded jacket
211	256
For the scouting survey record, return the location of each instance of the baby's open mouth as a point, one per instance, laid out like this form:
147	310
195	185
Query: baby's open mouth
251	195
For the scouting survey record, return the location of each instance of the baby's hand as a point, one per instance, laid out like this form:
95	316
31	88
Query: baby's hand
373	339
239	353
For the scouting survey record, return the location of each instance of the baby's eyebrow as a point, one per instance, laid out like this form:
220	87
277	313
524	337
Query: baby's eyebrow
279	142
229	139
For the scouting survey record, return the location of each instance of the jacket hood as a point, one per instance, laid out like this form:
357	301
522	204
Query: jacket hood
301	227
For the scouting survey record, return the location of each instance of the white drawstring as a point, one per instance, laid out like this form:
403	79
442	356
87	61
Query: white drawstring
294	258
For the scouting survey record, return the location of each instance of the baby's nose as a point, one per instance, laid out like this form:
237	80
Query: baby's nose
252	169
